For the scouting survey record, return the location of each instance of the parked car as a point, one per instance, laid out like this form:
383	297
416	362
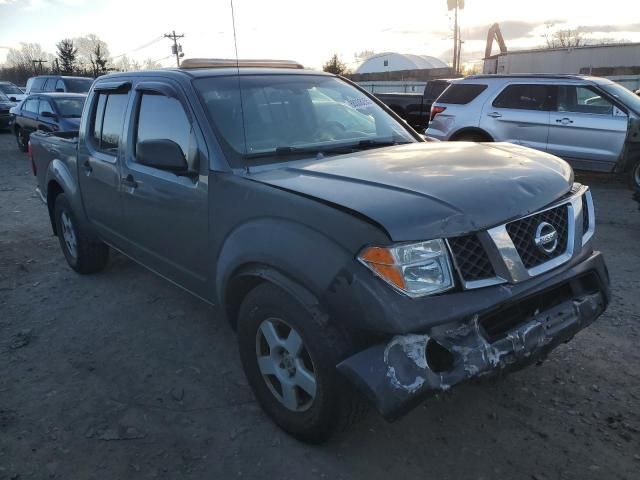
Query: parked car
592	123
58	83
49	112
415	107
5	110
12	91
345	259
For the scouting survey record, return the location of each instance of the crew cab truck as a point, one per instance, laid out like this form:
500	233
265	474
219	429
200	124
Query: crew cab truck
358	263
415	108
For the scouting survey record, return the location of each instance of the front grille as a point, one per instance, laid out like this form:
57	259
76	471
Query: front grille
523	234
471	259
585	214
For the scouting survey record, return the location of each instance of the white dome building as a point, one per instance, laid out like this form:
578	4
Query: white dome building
392	62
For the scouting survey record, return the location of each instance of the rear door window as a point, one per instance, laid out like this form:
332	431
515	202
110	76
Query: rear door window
524	97
461	93
108	120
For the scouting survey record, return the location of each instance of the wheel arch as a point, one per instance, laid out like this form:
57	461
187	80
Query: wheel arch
249	276
299	259
471	130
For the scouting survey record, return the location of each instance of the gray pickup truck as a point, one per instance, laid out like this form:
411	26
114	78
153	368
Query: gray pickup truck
358	263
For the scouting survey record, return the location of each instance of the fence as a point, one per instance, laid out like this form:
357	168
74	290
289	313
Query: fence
393	87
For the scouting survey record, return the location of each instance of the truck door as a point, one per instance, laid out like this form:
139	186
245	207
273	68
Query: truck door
165	213
519	114
98	158
586	129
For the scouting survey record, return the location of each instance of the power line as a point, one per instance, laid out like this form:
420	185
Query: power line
176	49
148	44
39	61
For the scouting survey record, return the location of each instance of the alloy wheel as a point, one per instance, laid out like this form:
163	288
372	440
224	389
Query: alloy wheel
285	364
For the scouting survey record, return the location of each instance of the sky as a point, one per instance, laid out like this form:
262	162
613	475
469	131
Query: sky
304	30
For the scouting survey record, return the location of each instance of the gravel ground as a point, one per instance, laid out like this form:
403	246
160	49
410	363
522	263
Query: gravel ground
123	375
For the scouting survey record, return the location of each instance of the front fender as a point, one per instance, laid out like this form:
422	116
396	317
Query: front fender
300	254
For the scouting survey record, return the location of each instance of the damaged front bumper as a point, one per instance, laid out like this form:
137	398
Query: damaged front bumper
398	375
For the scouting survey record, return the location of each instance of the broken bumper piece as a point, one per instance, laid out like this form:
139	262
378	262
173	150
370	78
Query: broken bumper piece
398	375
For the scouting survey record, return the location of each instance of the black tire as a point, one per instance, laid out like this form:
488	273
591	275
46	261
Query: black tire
336	404
634	176
90	256
22	139
472	137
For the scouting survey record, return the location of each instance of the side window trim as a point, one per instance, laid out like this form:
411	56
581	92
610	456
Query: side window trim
97	150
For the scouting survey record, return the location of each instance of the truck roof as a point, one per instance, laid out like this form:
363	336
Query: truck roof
218	72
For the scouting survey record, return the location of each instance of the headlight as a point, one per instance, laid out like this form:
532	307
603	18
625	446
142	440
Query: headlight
416	269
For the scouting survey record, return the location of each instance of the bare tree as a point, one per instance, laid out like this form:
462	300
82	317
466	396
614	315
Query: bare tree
23	58
149	64
563	38
94	52
363	55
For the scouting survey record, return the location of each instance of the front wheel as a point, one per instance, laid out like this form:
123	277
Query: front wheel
83	254
290	362
22	139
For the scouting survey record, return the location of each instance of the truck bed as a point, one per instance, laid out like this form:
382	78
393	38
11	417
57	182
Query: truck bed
49	146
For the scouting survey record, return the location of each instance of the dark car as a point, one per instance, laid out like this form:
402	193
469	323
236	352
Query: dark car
58	83
415	108
5	106
50	112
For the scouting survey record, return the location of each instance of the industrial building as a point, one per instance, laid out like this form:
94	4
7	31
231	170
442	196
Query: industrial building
620	62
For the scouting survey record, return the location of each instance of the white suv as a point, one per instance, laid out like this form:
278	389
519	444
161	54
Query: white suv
593	123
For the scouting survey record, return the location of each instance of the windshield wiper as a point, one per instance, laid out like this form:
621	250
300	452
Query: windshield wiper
285	151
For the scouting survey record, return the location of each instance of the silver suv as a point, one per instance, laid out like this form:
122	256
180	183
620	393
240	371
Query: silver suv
593	123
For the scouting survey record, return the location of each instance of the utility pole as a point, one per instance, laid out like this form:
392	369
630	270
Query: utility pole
39	61
456	5
176	48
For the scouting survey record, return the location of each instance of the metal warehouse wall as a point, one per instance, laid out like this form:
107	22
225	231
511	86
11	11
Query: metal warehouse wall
566	60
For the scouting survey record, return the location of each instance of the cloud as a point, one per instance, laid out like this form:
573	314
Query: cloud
629	27
511	29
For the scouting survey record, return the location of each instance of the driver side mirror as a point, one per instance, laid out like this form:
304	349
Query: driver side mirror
13	99
163	154
60	90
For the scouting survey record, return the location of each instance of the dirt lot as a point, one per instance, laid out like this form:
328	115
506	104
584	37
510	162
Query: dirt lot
123	375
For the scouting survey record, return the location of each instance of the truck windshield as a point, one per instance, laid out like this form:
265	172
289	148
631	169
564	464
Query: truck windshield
70	107
289	115
626	96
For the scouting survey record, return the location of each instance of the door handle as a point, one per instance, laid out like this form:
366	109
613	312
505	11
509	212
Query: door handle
129	181
564	121
494	115
87	167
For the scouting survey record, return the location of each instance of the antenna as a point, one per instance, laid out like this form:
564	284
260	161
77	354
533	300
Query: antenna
235	44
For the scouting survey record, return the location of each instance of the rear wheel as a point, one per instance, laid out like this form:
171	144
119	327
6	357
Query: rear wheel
472	137
634	177
22	139
290	362
82	254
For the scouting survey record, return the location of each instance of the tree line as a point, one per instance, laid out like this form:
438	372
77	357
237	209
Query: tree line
86	56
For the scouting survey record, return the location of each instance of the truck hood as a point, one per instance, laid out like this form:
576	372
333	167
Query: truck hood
422	191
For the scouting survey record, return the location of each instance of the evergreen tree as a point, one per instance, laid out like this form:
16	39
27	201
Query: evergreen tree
67	56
